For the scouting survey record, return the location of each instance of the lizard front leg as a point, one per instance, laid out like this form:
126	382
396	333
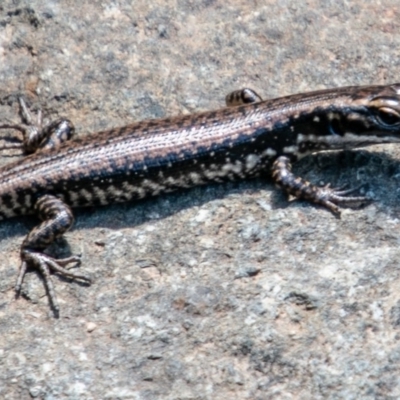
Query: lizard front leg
302	189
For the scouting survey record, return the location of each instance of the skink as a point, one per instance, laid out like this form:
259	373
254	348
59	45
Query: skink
249	138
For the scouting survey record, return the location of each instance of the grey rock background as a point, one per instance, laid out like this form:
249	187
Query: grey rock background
221	292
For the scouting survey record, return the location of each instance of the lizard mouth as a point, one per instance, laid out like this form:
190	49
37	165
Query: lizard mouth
351	140
348	141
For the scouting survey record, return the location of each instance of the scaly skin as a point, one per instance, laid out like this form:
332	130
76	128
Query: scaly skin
248	139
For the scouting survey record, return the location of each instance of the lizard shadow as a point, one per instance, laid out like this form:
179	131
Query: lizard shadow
373	174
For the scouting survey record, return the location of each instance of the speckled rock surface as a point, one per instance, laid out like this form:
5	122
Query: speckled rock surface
225	291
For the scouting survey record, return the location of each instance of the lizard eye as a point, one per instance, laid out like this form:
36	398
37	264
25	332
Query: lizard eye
388	116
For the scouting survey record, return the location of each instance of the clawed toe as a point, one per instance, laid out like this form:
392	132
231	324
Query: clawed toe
45	264
331	198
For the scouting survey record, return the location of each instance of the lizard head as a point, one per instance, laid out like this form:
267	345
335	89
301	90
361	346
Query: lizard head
357	117
373	115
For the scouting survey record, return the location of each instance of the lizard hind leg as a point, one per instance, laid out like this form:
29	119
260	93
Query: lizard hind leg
35	133
56	219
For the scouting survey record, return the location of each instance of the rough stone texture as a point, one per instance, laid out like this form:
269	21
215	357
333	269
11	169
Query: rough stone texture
221	292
